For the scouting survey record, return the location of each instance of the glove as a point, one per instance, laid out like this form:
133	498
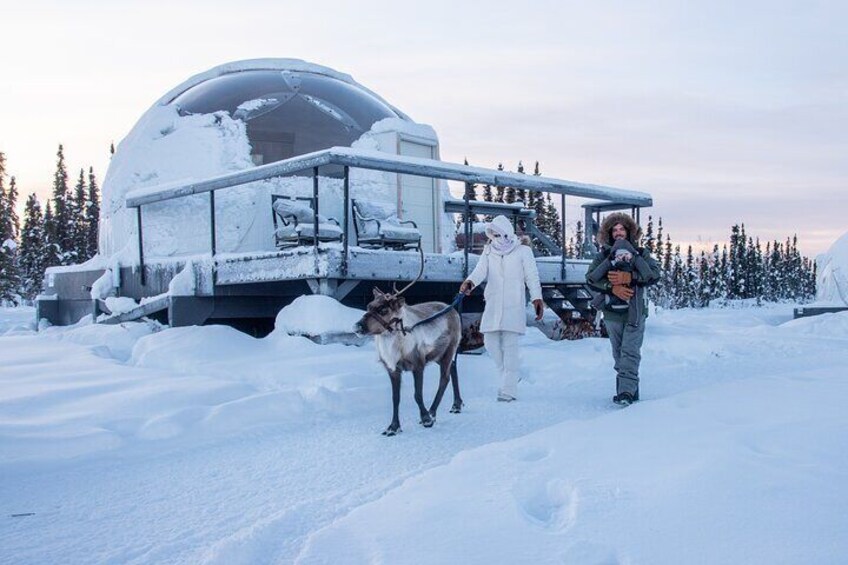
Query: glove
619	278
623	244
466	287
539	306
623	292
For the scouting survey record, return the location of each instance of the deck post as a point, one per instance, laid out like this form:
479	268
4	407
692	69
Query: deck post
562	263
140	247
315	217
212	234
346	242
212	241
468	236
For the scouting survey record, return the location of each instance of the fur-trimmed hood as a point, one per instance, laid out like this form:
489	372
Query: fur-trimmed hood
634	232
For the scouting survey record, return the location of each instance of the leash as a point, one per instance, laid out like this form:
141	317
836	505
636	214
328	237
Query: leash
457	301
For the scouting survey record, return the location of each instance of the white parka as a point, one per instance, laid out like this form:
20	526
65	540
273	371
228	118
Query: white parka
506	277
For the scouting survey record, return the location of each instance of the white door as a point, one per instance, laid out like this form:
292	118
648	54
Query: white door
417	196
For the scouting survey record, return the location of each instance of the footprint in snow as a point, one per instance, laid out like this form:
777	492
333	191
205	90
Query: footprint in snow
550	504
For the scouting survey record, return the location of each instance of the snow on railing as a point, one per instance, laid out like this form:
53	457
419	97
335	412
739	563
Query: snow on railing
377	160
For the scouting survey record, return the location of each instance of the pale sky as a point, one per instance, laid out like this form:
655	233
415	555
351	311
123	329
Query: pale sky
724	112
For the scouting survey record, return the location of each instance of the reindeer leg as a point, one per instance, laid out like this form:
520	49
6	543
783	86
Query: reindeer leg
457	399
426	420
394	427
444	377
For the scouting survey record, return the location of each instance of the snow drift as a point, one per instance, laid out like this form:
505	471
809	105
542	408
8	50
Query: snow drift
832	269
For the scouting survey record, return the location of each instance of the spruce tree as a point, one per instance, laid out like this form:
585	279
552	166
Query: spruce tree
520	193
5	214
724	272
52	249
499	191
578	240
716	288
470	194
690	283
12	200
79	234
32	257
8	244
532	195
705	282
92	215
659	244
554	224
487	197
677	280
649	236
62	217
536	200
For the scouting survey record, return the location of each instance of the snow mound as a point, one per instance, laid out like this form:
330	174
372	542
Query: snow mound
824	325
832	268
314	315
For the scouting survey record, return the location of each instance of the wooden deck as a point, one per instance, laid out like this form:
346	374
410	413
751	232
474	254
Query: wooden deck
377	265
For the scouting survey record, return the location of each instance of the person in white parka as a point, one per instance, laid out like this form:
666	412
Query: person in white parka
508	267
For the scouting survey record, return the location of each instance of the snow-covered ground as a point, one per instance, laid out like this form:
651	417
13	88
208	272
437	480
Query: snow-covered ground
138	444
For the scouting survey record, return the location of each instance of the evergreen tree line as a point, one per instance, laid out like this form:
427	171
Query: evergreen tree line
63	232
547	216
740	269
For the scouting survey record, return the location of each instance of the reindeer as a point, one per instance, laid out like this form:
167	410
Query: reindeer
404	343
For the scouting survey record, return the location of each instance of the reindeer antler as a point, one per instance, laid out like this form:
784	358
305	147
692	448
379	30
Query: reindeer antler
420	272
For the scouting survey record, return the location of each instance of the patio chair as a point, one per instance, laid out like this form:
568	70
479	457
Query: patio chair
377	226
294	222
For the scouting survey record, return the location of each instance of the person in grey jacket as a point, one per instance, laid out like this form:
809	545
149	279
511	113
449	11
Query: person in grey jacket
626	327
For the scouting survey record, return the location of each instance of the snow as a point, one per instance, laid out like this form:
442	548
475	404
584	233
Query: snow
104	286
120	304
313	315
832	274
136	443
9	244
184	283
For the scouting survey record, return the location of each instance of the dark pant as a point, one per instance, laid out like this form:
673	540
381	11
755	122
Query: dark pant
626	341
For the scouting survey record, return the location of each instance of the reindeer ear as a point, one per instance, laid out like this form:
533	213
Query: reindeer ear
400	300
377	292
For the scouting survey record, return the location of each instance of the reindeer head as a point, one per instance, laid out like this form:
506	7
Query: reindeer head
382	313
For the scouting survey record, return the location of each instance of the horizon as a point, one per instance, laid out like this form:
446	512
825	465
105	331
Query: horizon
734	113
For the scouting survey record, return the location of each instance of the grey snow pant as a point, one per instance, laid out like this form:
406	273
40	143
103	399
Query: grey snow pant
626	341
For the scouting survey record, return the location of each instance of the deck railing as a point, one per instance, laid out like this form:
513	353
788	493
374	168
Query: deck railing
607	198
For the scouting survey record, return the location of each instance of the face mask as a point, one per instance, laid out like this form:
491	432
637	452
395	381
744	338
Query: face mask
501	243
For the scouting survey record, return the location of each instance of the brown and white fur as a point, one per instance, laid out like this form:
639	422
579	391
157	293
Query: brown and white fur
388	318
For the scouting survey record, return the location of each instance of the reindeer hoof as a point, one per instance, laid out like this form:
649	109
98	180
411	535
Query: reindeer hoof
428	423
390	431
456	408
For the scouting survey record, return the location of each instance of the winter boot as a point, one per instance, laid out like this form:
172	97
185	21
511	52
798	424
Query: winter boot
624	399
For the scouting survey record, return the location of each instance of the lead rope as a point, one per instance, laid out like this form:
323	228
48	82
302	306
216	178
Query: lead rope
457	302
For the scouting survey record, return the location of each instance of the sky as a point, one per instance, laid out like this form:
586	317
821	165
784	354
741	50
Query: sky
725	112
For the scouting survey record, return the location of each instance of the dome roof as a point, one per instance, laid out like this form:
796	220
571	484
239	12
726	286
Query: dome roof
287	112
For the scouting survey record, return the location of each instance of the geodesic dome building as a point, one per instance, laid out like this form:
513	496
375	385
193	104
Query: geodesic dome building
250	113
